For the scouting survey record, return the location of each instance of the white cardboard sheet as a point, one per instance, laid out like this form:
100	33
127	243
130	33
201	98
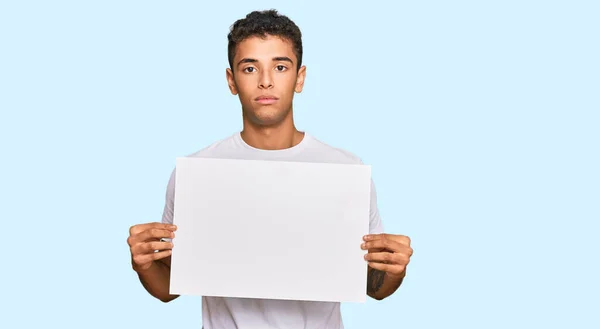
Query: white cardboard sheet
270	229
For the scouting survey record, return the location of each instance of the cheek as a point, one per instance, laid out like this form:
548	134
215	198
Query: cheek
288	84
244	83
245	94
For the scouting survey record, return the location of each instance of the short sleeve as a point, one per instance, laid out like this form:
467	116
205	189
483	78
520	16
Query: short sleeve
375	224
167	216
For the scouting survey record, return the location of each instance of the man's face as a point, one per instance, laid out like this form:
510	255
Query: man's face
265	78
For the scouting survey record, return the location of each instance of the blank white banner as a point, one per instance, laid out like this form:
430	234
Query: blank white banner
270	229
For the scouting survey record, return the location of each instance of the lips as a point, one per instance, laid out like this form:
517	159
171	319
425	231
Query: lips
266	99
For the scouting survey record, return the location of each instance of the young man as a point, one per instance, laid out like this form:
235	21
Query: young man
265	59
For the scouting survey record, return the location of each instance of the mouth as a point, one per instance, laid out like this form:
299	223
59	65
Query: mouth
266	99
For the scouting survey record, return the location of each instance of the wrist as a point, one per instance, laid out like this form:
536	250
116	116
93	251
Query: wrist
396	278
144	269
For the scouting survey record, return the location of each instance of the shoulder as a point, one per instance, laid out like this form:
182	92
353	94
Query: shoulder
332	153
216	148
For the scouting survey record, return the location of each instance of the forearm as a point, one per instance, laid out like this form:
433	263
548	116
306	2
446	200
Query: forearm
156	281
381	285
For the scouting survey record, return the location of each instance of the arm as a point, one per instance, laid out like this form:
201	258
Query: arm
380	285
388	255
151	257
156	279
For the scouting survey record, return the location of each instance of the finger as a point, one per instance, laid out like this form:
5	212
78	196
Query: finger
370	237
392	269
143	259
382	257
139	228
402	239
388	258
149	247
383	244
149	235
153	234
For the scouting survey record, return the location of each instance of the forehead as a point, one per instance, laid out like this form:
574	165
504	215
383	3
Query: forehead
265	48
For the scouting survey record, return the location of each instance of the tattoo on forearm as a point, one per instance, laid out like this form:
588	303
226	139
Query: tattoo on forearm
374	280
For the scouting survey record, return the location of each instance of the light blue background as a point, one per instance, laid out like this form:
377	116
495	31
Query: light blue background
480	119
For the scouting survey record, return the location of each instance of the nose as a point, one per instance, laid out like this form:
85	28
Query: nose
266	81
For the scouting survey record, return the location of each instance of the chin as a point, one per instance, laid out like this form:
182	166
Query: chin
267	117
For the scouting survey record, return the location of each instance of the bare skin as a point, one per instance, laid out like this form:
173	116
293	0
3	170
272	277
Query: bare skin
267	67
151	257
265	77
387	257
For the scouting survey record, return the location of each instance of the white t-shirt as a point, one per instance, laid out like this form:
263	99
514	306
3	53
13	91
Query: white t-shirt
250	313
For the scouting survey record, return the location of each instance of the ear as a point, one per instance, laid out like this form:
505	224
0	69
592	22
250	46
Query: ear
300	79
231	81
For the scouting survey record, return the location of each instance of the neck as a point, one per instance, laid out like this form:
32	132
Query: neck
275	137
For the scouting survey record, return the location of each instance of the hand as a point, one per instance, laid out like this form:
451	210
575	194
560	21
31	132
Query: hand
145	245
388	253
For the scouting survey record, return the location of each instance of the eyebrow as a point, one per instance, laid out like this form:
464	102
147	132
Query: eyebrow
275	59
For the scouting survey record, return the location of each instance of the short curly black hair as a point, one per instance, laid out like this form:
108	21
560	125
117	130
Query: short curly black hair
261	24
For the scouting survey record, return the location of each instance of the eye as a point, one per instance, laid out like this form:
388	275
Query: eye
280	68
249	69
